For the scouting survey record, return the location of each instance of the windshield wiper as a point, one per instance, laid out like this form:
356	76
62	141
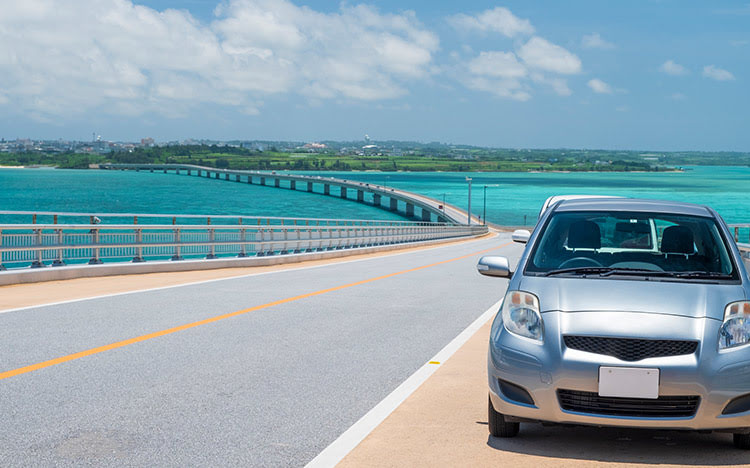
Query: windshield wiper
607	271
701	275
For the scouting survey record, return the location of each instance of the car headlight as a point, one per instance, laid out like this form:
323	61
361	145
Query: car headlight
521	315
735	331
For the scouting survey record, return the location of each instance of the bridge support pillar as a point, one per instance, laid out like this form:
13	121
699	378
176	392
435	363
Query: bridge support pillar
425	215
394	204
249	179
226	176
165	171
326	189
309	186
236	177
262	181
376	199
293	185
216	175
360	196
190	172
277	182
409	210
177	171
343	192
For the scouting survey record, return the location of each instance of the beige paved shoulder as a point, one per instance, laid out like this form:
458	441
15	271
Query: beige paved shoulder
444	424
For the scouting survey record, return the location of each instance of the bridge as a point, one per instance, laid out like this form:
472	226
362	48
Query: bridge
400	201
375	359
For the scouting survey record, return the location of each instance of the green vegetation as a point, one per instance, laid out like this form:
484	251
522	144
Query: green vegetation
385	157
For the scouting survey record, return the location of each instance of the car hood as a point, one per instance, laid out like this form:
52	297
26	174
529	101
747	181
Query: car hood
659	297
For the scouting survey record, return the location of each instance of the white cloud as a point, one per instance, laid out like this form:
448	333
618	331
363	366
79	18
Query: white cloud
501	72
498	19
504	88
114	54
543	55
671	68
558	85
599	87
595	41
716	73
497	64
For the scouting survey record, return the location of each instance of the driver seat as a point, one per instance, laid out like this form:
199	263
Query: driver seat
584	234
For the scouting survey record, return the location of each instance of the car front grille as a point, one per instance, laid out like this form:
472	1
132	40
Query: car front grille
662	407
630	349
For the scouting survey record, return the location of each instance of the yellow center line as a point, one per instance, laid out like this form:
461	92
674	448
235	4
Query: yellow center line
168	331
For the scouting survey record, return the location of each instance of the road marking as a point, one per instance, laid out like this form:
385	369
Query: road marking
434	362
168	331
194	283
352	437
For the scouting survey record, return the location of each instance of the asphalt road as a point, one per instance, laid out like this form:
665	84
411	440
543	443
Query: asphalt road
272	386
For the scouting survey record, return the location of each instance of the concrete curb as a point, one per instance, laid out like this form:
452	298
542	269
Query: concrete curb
38	275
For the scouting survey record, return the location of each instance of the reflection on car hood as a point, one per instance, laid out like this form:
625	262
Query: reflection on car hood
659	297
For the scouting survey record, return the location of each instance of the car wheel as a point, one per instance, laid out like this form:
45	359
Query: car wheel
742	441
500	428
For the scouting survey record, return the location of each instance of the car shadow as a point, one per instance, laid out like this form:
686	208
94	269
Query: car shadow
623	445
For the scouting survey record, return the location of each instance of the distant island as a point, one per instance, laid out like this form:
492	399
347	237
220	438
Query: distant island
354	156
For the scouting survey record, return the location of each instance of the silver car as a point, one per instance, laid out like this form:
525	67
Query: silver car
623	312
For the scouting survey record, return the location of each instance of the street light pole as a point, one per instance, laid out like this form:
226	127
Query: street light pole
484	210
468	179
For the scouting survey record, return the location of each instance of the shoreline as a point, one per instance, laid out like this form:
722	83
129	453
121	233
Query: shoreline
375	171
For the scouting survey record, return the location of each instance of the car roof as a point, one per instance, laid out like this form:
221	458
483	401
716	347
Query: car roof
634	205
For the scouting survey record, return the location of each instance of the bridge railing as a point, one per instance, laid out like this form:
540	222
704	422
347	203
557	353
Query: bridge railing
101	240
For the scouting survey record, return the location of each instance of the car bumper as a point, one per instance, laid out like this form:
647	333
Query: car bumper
542	369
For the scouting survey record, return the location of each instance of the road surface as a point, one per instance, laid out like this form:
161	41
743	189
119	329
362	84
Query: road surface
262	370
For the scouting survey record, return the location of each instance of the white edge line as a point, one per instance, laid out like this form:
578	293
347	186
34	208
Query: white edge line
214	280
347	441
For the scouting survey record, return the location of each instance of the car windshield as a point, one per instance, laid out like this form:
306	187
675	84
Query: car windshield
632	243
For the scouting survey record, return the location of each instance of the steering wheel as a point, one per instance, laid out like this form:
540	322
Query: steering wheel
582	262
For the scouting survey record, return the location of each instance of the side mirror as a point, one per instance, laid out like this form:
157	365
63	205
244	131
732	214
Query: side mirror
494	266
521	236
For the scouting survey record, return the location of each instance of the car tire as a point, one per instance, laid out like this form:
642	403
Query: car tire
742	441
501	428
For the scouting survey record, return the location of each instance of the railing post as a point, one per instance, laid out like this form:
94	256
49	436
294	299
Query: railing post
299	238
59	260
211	238
259	251
736	234
95	260
2	267
243	239
284	249
139	240
37	263
177	241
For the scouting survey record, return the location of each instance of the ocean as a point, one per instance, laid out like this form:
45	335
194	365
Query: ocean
511	198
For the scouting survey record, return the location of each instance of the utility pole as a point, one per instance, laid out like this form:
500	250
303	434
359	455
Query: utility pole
468	179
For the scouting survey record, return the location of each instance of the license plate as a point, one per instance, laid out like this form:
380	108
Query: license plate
628	382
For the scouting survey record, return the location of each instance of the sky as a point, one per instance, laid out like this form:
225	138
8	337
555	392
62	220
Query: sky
660	75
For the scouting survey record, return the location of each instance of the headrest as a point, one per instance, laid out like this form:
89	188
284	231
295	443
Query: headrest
584	235
640	228
677	240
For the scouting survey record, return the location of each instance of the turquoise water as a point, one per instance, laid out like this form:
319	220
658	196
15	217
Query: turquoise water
511	197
